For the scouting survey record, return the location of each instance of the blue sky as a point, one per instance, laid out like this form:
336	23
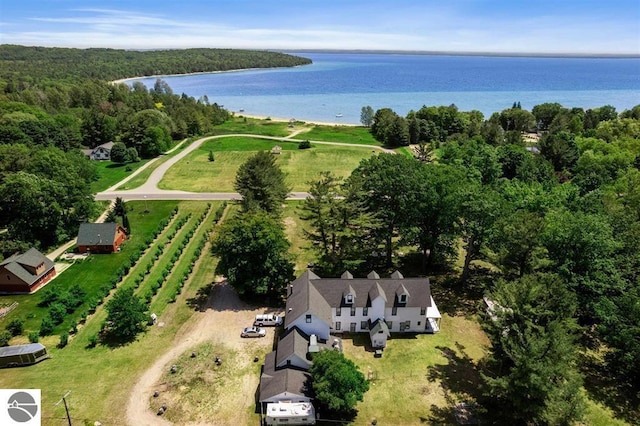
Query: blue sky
545	26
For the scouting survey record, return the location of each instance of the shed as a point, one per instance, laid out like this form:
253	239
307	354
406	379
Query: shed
21	355
379	333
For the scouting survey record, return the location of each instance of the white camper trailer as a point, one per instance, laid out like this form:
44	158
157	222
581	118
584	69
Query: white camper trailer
290	413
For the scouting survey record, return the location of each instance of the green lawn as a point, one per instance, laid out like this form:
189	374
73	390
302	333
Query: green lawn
419	375
91	274
196	173
294	229
110	173
347	134
240	124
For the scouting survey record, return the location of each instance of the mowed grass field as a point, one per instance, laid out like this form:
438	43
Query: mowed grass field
196	173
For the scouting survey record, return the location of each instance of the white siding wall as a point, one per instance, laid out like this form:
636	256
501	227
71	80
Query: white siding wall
402	315
295	361
316	326
405	314
377	308
288	396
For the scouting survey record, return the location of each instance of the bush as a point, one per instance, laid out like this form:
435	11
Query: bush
64	339
93	341
304	145
5	336
57	312
15	326
34	337
46	326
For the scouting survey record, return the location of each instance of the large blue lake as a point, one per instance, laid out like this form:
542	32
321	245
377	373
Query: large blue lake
337	85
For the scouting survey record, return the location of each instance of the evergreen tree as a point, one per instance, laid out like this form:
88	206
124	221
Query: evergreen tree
531	374
261	183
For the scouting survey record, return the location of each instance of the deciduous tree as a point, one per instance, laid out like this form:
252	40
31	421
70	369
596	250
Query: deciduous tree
126	316
337	383
253	252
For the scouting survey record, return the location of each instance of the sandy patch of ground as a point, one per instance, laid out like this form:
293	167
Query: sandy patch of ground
220	322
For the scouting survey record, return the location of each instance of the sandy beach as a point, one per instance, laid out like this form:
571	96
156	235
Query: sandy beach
286	120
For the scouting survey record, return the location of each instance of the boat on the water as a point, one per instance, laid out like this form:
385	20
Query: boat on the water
338	115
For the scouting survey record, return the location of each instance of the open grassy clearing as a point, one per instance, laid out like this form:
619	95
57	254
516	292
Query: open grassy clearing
196	173
92	273
196	392
100	378
254	126
110	173
346	134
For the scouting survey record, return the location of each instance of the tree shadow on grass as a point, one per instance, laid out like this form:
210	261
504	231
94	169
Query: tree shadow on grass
460	380
607	388
200	300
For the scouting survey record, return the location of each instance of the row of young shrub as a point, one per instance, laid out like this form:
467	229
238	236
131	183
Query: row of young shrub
155	287
49	322
176	256
196	253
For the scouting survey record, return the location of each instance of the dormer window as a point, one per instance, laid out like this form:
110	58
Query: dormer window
348	299
403	298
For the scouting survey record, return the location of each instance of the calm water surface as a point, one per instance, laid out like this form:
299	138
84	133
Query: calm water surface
337	85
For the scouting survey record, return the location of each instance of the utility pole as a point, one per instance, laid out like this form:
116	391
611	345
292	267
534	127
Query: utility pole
66	408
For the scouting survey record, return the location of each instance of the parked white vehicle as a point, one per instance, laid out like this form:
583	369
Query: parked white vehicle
253	332
267	319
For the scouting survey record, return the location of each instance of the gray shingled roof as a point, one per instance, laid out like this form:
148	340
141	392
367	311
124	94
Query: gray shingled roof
377	326
31	257
92	234
318	295
293	343
285	380
302	297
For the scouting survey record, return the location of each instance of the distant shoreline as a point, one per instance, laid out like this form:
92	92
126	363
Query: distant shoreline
124	80
456	53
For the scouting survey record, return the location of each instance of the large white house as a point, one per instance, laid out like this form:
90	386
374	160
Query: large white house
325	306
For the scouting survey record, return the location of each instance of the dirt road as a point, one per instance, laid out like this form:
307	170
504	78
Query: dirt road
221	320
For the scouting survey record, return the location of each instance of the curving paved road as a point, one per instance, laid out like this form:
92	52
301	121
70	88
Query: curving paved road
150	191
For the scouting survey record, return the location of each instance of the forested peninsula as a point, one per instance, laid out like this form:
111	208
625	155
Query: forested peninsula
35	64
56	101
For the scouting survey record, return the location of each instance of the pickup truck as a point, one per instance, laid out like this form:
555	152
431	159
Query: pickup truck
267	319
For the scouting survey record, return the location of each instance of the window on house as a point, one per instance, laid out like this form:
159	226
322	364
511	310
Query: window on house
389	324
338	325
364	325
353	311
423	311
349	298
8	277
365	311
403	298
308	318
338	312
394	310
352	327
419	322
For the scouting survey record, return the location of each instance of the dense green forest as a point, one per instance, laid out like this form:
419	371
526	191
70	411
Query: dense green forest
53	102
23	65
540	210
